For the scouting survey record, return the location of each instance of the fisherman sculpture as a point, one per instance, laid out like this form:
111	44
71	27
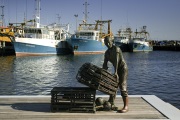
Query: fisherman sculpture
114	55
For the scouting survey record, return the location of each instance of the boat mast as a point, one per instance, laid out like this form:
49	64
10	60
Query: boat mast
2	16
86	12
101	18
37	16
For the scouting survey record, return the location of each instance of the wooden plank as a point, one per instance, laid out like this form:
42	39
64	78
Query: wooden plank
38	108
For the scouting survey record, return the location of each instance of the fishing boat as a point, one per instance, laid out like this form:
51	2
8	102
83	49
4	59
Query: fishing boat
35	39
41	41
122	39
140	41
88	39
6	47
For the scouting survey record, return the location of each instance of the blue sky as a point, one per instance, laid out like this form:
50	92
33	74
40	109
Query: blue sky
162	17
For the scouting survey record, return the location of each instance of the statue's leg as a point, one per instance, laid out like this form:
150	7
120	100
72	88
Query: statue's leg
123	88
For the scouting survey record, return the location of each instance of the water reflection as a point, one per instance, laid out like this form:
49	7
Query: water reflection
39	74
6	76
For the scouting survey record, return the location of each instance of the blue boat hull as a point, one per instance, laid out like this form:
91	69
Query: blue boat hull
134	47
124	47
85	46
24	49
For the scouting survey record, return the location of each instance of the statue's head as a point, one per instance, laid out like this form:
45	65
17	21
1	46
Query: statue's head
108	42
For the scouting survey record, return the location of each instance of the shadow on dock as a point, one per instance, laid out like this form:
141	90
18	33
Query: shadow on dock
34	107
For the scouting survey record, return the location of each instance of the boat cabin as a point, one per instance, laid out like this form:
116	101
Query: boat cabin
87	34
42	33
6	31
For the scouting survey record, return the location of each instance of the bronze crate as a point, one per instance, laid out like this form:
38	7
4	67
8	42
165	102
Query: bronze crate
73	99
97	78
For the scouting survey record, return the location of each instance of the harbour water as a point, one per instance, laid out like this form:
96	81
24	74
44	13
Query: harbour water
152	73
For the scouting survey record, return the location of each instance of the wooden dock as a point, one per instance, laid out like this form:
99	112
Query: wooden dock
141	107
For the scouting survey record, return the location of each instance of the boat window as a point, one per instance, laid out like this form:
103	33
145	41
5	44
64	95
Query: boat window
87	34
122	37
45	31
77	35
37	31
20	31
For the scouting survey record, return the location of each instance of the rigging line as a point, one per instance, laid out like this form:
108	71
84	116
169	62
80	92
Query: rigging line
16	12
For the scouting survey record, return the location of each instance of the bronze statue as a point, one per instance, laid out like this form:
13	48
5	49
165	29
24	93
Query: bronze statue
114	55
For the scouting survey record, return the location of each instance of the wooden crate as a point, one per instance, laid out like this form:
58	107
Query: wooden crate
97	78
73	99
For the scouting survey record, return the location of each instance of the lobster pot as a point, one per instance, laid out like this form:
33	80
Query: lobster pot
73	99
97	78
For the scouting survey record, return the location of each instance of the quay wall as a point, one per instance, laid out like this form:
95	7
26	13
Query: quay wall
166	48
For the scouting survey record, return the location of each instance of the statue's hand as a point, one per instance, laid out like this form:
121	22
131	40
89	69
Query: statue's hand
116	76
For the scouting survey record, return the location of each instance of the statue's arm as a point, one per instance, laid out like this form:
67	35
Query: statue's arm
116	61
105	63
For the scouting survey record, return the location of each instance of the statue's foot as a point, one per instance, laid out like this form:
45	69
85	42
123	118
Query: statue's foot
124	110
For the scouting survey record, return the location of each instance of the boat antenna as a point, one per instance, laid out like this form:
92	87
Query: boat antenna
127	24
101	9
76	15
86	12
58	17
37	16
26	13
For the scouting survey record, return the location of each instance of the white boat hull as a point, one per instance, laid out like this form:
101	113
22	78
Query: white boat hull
33	46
